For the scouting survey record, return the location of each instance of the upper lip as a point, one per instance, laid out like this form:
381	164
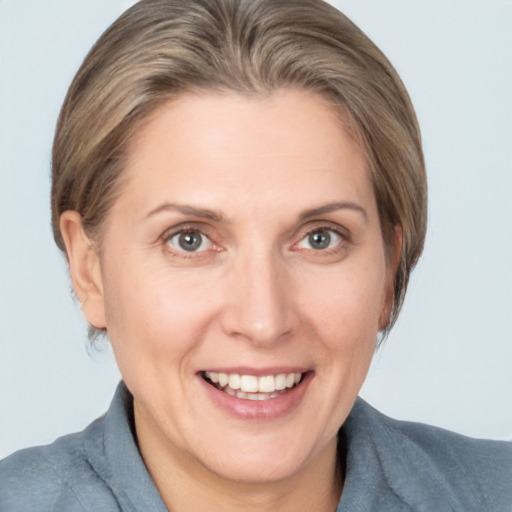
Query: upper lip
257	372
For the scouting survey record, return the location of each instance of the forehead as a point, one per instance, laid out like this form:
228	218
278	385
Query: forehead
285	141
217	107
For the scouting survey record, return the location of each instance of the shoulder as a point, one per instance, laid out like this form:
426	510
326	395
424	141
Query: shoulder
469	474
54	478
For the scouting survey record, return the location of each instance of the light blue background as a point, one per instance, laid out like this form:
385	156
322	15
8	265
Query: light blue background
448	361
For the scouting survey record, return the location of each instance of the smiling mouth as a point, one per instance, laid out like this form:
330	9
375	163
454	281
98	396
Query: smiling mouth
250	387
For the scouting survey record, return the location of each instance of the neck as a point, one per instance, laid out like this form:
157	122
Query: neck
185	484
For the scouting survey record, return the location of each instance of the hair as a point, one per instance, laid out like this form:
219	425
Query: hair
159	49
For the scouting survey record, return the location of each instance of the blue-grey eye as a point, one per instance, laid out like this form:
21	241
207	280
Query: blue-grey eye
320	239
189	241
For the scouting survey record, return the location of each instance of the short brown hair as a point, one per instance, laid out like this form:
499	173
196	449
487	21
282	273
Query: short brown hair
160	48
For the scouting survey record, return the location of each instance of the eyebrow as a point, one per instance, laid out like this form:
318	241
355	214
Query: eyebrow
218	217
331	207
187	209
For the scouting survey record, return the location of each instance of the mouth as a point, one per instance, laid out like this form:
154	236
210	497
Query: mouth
252	387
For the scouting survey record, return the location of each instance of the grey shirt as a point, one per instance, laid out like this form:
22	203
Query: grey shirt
391	466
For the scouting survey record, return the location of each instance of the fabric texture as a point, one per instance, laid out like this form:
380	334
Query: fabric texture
392	466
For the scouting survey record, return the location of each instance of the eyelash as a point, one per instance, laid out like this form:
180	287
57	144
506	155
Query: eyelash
342	234
184	230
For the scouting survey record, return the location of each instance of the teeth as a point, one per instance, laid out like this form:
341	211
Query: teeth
223	379
213	376
234	381
267	384
280	381
249	383
252	387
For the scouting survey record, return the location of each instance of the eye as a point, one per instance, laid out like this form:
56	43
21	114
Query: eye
189	241
320	239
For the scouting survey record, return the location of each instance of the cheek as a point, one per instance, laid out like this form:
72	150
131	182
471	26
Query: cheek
152	311
346	305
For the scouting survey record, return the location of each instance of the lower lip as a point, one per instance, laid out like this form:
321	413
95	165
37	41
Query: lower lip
270	409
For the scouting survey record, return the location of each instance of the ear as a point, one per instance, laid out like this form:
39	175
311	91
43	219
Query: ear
389	292
84	267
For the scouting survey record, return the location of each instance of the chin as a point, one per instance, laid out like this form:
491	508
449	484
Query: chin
267	458
253	471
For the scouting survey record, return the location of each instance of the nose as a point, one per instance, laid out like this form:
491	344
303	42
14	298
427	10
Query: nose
259	300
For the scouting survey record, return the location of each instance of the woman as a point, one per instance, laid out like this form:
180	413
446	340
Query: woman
239	190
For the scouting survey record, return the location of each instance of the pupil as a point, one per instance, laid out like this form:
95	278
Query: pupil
190	241
320	239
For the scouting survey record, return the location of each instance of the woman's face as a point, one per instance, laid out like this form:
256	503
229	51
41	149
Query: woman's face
244	247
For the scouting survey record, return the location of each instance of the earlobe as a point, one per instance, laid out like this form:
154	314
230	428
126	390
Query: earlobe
389	293
84	268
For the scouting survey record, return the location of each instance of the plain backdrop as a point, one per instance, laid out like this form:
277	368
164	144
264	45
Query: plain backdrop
449	360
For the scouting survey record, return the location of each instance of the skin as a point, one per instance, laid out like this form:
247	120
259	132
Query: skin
256	295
